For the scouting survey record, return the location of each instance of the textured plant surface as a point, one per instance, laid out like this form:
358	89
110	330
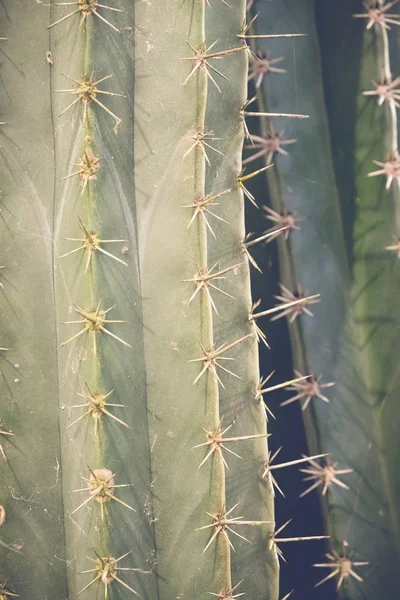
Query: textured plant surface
133	441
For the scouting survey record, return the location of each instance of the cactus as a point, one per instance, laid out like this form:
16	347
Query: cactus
345	349
375	236
133	420
129	372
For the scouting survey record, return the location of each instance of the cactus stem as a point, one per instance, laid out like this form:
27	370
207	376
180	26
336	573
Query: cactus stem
216	442
6	593
323	475
273	542
242	177
342	565
101	489
222	523
247	243
268	146
210	358
385	90
201	140
295	309
227	593
201	57
268	466
308	390
87	92
107	568
88	167
286	219
91	244
200	208
97	406
86	8
203	278
94	323
378	15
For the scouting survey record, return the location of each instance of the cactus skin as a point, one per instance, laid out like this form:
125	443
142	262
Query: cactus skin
33	503
138	182
351	427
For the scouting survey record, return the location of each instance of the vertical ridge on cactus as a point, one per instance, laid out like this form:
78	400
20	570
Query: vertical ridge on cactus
51	460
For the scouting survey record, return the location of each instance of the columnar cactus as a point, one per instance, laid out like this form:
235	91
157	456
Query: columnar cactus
129	365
